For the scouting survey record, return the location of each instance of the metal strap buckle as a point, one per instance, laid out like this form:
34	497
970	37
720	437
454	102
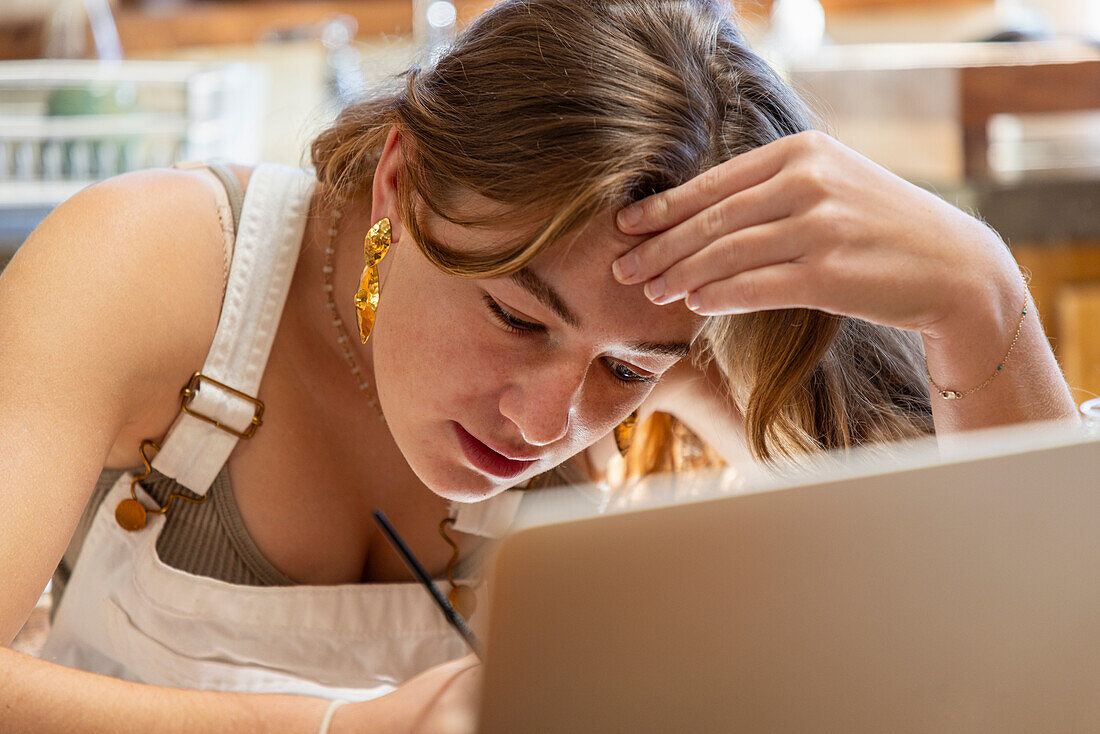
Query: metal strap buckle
187	394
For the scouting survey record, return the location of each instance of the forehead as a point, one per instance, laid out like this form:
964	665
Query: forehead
578	268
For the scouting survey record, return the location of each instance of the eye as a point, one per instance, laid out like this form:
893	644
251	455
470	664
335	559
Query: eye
510	322
619	371
627	376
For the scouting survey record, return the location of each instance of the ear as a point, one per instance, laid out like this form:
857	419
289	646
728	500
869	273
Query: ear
384	194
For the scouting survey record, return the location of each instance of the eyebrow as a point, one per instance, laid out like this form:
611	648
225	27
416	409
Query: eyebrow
547	296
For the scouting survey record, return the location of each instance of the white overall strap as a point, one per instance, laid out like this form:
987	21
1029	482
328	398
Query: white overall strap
269	237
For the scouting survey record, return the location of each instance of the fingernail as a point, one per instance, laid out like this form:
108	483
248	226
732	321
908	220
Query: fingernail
625	267
655	288
629	217
692	301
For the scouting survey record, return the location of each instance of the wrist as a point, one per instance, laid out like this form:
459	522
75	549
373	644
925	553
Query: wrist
965	352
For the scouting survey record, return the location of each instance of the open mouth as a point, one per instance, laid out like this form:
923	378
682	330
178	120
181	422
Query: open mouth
487	460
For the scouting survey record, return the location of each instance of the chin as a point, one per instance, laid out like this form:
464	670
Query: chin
466	495
469	493
463	484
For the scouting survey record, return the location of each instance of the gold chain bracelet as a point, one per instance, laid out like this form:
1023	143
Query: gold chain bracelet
956	395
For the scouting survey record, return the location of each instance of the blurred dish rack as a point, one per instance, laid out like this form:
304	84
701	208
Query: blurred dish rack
65	124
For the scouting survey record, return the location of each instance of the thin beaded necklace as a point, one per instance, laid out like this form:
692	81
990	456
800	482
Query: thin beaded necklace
342	335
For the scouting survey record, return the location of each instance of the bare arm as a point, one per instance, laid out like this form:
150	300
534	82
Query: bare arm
37	697
1030	387
806	222
104	309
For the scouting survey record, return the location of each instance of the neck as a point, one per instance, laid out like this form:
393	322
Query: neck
321	362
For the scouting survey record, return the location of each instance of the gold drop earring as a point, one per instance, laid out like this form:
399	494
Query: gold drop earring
624	432
376	245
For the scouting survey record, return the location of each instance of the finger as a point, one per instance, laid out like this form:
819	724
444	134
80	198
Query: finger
747	249
672	206
768	288
760	204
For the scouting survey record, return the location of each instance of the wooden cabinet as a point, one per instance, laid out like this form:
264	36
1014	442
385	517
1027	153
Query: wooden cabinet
1065	281
1078	308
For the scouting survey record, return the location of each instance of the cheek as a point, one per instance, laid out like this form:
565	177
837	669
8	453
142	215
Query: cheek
434	352
608	407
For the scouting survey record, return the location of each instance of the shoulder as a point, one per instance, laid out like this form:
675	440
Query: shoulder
148	213
155	197
145	250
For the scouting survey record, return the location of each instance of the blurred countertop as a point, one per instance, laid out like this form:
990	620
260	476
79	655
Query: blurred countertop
1008	131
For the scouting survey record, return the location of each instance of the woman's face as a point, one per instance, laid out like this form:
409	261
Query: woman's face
488	382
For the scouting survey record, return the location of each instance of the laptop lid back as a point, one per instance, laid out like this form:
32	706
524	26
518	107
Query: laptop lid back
936	595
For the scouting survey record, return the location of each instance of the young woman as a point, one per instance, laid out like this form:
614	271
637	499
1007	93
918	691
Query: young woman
778	295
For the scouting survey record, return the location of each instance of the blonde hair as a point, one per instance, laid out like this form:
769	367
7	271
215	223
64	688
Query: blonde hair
560	109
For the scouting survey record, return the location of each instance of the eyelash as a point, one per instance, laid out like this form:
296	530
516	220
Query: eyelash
519	326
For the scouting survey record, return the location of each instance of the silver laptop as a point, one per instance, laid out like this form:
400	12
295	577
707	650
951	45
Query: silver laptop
941	589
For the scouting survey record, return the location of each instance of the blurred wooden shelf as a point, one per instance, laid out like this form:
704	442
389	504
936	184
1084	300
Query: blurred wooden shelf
146	30
219	23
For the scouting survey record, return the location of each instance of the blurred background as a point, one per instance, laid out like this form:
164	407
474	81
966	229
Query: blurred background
992	104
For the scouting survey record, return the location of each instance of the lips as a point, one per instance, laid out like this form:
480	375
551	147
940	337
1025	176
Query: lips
487	460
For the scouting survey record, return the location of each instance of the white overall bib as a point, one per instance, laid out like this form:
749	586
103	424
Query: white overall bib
127	614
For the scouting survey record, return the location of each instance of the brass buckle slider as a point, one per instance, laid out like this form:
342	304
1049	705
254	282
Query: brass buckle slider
187	394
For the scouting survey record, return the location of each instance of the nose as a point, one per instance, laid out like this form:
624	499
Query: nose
542	402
